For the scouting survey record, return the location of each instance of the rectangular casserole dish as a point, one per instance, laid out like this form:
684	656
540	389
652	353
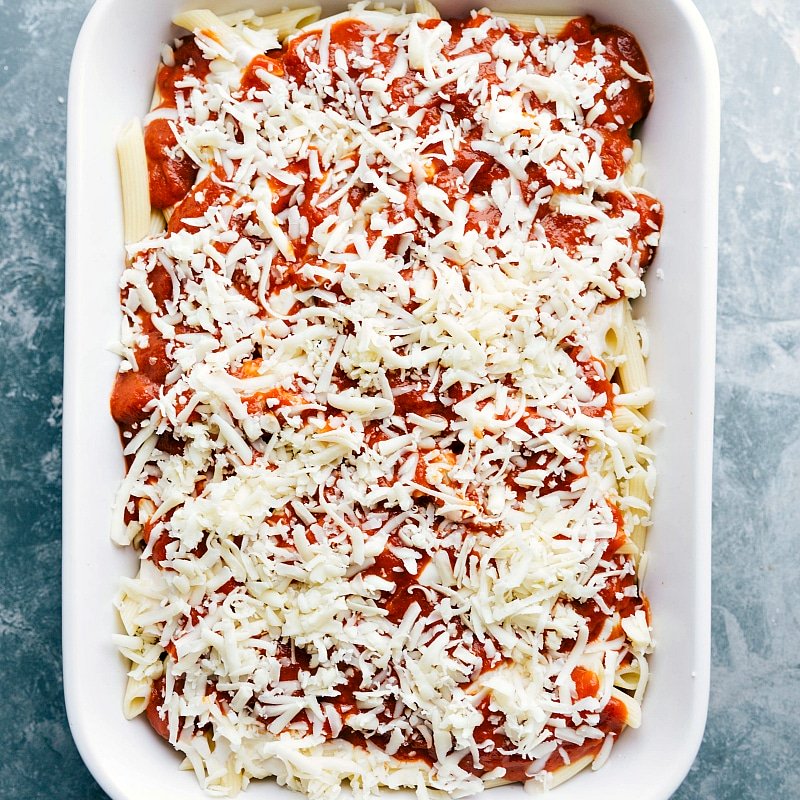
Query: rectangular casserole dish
111	81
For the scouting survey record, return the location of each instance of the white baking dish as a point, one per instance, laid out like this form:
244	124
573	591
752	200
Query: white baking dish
111	82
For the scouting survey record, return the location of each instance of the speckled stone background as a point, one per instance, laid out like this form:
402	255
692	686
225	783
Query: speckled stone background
751	749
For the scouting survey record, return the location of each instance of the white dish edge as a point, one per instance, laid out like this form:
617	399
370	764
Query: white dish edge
109	83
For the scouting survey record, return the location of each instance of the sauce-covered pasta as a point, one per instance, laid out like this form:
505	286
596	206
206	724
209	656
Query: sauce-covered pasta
381	400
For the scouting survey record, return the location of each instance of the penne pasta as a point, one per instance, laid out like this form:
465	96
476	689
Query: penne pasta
205	24
627	678
550	25
492	784
233	779
137	697
563	774
634	172
632	678
636	399
155	102
156	222
287	23
135	182
632	707
632	372
636	488
608	325
427	9
644	677
205	21
628	548
629	419
627	681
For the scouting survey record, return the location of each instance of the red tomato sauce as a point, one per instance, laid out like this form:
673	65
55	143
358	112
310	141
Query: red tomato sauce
172	173
171	176
188	62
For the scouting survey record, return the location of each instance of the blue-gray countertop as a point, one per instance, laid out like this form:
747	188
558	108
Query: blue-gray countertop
752	741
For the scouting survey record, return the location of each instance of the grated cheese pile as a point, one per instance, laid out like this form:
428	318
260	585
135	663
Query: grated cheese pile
376	486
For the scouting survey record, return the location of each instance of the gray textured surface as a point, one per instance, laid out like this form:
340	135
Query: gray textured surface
752	739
